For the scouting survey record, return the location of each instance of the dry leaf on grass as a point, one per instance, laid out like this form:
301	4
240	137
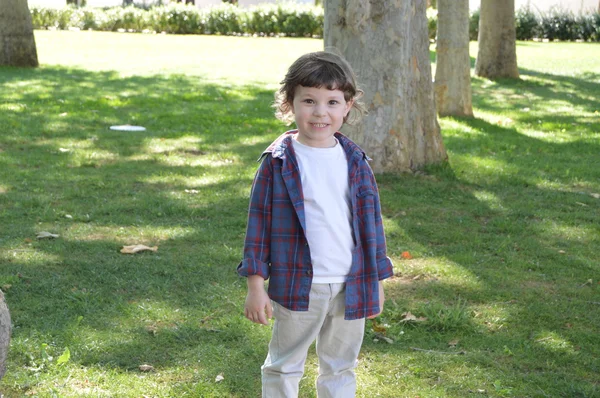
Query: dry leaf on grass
146	368
409	317
137	248
453	343
379	336
378	328
406	255
219	378
46	235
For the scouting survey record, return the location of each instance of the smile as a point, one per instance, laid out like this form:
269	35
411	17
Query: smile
319	125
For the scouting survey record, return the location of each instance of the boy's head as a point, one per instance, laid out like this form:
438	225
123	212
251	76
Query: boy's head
319	70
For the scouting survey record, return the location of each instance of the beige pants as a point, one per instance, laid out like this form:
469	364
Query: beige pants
338	346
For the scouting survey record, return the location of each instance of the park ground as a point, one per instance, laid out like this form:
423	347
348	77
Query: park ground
496	287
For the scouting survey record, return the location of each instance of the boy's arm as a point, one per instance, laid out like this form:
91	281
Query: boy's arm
257	243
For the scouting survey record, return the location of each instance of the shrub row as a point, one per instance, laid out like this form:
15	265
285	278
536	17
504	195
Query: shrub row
266	19
556	24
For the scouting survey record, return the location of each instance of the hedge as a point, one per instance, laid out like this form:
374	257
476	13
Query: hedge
287	19
555	24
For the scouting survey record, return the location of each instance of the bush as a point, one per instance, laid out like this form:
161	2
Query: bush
302	21
474	25
264	19
84	18
128	18
432	22
596	24
558	24
526	24
224	19
175	18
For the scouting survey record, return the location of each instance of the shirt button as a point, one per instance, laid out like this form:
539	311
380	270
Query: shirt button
309	272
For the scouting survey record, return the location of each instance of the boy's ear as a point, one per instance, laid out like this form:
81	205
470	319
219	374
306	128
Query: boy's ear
348	107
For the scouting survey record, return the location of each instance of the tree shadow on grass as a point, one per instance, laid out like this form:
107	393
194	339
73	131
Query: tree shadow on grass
182	185
510	229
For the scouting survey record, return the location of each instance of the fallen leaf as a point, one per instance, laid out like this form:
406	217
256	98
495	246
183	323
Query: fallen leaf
46	235
146	368
595	195
384	338
219	378
406	255
378	328
562	252
137	248
409	317
453	343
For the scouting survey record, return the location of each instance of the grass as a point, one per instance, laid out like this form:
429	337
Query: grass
503	239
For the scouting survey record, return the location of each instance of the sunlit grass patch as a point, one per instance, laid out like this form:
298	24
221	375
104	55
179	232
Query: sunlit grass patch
553	341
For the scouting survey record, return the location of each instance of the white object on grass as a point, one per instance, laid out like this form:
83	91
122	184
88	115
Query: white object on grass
127	127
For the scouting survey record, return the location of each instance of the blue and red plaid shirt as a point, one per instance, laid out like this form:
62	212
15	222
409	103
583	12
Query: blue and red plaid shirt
276	247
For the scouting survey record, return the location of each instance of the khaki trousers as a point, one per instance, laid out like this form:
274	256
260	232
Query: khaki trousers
338	346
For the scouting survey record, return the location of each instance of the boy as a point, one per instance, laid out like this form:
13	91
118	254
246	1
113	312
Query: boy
315	230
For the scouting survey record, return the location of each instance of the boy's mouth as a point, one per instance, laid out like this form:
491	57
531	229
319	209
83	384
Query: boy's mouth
319	125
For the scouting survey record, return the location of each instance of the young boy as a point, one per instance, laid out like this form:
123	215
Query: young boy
315	230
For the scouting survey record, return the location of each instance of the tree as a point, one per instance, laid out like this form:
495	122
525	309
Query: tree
497	55
453	63
387	44
4	333
17	44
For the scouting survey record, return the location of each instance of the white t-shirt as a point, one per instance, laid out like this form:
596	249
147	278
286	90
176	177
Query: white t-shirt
328	212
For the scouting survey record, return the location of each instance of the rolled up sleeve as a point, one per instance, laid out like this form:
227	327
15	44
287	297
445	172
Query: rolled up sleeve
257	255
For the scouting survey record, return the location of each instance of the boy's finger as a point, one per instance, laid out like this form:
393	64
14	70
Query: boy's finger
261	318
269	311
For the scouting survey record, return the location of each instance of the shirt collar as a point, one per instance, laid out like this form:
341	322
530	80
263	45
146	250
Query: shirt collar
279	147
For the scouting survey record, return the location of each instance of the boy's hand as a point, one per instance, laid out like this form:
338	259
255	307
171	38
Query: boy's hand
257	301
381	301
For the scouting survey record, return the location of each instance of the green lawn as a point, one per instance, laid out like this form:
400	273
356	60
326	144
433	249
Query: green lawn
504	239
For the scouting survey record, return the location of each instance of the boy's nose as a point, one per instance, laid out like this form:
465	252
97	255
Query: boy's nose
319	110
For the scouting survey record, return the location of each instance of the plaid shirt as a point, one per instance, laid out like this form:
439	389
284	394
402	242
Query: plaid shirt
276	246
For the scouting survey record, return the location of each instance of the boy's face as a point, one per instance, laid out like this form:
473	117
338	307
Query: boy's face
319	113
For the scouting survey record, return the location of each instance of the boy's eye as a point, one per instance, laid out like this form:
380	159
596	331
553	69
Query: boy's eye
308	101
334	102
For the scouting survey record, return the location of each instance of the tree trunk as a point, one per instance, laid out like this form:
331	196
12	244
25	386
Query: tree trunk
497	56
453	63
387	44
4	333
17	44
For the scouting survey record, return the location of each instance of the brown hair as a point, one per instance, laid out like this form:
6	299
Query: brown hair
319	69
